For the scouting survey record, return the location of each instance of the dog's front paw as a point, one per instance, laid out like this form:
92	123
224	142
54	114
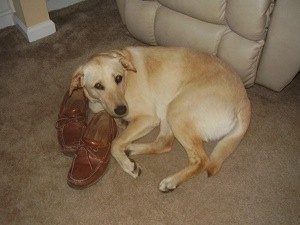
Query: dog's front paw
127	164
167	185
131	167
136	169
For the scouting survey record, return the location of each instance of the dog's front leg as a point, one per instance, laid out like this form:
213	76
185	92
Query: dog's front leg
137	128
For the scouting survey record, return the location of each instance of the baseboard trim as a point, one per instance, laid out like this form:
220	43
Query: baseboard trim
59	4
37	31
6	19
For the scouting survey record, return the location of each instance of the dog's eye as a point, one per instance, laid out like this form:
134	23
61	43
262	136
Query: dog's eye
118	79
99	86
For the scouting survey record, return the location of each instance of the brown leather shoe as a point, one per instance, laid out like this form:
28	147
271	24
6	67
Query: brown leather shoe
92	157
71	121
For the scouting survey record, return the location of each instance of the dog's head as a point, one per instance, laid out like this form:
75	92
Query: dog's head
103	79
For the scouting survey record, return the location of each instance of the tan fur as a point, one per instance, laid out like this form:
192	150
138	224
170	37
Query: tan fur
193	97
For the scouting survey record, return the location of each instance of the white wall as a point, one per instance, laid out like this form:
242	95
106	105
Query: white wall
7	9
6	14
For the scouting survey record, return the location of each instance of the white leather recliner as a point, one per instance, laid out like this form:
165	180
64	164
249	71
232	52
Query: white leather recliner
260	39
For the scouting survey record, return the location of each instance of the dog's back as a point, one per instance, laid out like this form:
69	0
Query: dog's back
164	71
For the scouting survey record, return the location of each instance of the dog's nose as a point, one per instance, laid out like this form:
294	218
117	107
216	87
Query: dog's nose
120	110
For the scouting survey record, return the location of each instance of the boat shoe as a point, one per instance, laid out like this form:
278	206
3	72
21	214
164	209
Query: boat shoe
92	156
71	121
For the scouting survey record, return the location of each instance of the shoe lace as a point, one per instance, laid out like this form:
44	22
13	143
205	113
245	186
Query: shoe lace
63	121
92	150
77	121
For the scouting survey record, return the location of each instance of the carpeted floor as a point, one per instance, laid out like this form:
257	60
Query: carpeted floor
259	184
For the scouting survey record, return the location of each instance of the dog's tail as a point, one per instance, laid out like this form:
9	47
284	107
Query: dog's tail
226	146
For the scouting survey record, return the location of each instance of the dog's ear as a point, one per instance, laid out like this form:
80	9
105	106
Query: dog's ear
124	58
127	64
76	80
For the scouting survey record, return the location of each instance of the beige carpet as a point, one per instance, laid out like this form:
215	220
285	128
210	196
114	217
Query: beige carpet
259	184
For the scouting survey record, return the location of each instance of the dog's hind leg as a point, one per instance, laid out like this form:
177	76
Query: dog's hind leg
163	142
186	133
228	144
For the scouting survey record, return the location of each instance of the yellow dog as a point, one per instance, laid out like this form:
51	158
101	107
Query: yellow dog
193	97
